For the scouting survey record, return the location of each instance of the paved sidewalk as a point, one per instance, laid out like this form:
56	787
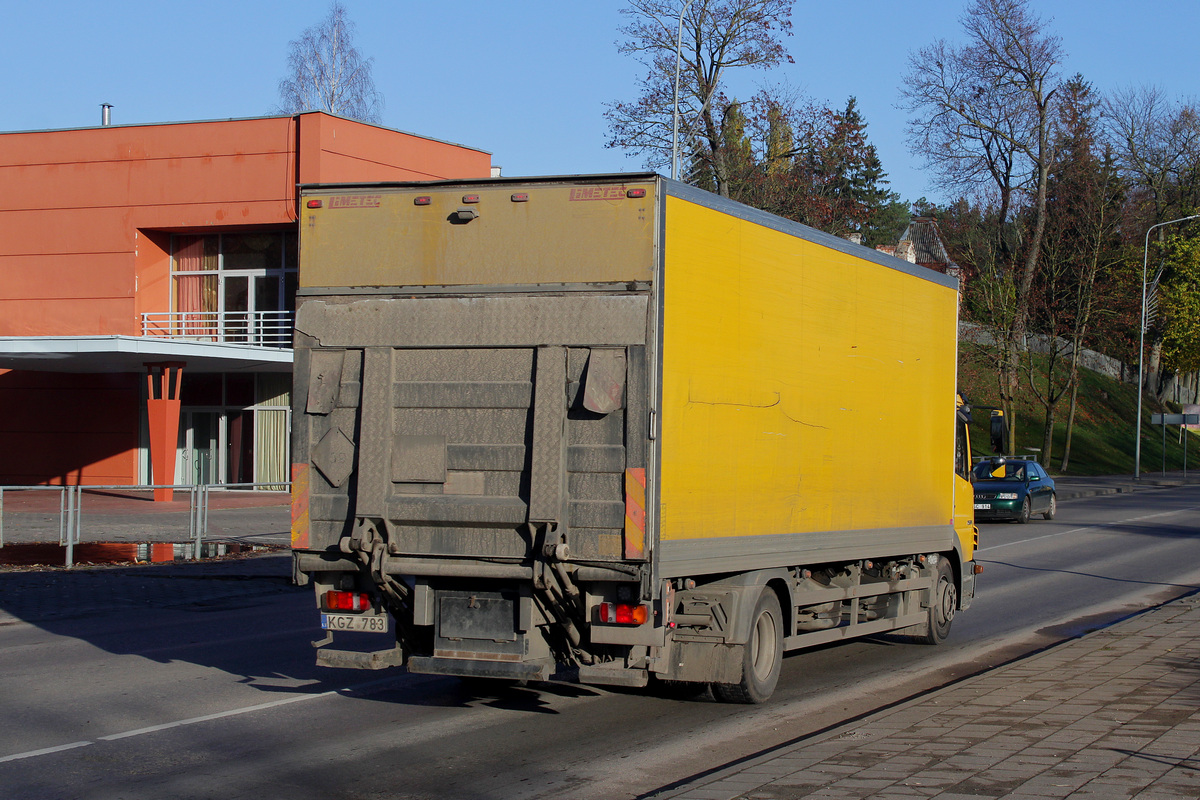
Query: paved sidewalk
1114	714
1071	486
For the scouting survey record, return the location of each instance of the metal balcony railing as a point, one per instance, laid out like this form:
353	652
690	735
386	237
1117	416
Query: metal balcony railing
260	328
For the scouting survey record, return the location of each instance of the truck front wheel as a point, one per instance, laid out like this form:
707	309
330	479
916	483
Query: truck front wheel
762	655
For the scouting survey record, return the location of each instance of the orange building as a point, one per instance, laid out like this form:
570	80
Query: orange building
147	283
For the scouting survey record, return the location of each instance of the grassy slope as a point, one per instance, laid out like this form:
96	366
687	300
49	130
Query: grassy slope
1103	438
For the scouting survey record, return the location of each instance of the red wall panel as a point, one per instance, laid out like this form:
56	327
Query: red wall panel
78	428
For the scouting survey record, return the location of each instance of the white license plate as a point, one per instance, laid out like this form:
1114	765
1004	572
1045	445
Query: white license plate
983	506
372	623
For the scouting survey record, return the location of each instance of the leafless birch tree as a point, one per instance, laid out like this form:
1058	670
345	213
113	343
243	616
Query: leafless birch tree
718	35
326	72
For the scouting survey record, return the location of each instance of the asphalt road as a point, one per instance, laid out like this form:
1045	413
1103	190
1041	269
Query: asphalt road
218	696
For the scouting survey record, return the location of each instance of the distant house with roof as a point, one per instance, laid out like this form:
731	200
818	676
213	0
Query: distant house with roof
921	244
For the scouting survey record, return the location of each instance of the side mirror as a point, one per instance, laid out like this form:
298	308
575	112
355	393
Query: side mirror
999	432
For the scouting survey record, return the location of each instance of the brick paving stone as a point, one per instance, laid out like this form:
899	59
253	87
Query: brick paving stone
863	784
935	778
1102	793
708	793
740	785
965	763
1157	792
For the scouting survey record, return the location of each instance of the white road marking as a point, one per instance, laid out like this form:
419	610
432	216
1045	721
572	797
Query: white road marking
1101	526
44	751
193	720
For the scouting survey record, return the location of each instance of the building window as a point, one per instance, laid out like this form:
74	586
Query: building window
234	287
233	429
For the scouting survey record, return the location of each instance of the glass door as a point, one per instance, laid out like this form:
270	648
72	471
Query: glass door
199	456
248	297
237	306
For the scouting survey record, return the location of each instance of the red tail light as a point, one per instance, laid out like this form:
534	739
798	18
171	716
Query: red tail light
347	601
624	613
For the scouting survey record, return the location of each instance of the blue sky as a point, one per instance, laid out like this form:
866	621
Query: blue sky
525	80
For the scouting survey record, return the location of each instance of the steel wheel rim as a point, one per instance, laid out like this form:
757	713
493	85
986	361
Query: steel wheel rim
949	600
763	645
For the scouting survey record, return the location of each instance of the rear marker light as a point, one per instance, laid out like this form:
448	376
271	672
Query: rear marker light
422	201
624	613
347	601
470	198
314	203
520	198
636	193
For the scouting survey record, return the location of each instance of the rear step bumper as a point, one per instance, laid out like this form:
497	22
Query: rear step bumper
479	669
349	659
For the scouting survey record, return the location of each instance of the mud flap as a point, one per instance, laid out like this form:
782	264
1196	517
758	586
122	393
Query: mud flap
704	662
967	592
609	676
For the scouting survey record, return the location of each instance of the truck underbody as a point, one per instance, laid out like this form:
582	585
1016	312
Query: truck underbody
545	620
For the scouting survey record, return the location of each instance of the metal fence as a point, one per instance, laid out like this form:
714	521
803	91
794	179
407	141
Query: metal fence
262	328
71	509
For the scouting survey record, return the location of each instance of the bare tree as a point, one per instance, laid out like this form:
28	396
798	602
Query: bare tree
983	113
1157	142
1082	241
327	73
718	35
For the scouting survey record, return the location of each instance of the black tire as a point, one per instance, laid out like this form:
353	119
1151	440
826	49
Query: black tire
762	655
1051	509
942	606
1026	511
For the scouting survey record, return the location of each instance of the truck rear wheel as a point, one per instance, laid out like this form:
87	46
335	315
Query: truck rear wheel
762	655
942	606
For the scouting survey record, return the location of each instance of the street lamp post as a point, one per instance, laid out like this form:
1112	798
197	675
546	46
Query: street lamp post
1137	448
675	115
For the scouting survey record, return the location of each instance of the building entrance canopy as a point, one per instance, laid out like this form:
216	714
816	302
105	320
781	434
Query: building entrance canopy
163	361
111	354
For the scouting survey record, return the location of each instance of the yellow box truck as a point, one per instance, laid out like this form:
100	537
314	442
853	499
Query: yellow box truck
614	428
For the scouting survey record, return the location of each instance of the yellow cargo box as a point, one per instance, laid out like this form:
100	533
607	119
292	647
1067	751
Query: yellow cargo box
799	389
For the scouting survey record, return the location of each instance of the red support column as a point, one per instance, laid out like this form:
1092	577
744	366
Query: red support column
162	411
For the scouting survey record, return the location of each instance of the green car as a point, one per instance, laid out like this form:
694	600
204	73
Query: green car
1012	488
